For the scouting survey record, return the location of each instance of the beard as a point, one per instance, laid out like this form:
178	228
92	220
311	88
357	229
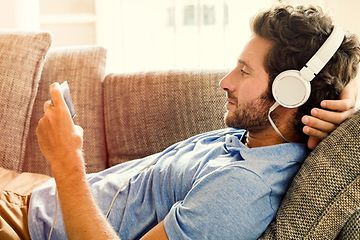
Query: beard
252	116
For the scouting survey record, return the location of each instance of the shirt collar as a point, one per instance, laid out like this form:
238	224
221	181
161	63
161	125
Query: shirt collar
281	152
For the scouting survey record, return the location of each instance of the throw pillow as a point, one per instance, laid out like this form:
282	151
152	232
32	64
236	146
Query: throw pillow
84	69
21	62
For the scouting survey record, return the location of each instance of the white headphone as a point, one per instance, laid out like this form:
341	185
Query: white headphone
292	88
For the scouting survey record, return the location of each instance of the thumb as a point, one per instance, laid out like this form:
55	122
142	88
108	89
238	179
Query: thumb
56	94
79	130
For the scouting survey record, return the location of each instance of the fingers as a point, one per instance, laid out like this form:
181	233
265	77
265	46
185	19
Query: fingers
317	129
313	132
39	125
313	142
79	130
330	116
57	101
323	121
319	124
339	105
47	104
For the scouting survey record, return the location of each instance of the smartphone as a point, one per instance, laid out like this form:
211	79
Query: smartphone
64	86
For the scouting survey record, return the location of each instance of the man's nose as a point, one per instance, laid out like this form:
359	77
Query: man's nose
226	83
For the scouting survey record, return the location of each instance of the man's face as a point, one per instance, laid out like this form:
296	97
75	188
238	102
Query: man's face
247	88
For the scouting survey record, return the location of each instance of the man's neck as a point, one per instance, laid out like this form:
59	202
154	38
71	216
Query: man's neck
268	137
262	138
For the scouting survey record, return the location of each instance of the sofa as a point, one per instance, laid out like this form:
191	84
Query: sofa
129	116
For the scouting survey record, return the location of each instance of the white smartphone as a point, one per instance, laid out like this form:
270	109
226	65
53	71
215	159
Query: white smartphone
67	97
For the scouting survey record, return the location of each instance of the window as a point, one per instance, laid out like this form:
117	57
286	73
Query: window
171	17
147	35
143	35
208	14
189	15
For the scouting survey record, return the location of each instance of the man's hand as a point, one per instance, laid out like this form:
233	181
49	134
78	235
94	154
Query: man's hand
322	122
59	139
61	143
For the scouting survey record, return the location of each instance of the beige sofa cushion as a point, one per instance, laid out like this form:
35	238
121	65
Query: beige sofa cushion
146	112
325	192
21	61
84	69
20	183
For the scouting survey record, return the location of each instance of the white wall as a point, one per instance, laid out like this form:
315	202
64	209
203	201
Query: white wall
138	35
347	13
344	12
19	14
71	22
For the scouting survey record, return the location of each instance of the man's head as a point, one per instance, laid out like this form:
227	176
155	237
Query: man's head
247	87
295	34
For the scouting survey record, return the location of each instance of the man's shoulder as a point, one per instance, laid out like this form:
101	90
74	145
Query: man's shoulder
224	196
281	153
231	177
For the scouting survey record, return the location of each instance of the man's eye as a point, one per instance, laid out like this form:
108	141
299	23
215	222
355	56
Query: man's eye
243	71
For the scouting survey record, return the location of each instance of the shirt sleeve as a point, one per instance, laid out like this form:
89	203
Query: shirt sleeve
229	203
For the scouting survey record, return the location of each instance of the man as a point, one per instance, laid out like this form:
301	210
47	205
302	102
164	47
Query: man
225	184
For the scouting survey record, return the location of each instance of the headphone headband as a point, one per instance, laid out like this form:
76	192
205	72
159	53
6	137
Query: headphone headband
323	54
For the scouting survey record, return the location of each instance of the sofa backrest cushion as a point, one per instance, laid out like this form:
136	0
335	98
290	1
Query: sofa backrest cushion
147	112
325	192
84	69
21	62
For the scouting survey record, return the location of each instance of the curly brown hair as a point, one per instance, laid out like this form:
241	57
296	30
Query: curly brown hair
297	33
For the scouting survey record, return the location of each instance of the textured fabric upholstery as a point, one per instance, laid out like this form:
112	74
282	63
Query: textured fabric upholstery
325	192
351	230
147	112
21	62
83	68
133	115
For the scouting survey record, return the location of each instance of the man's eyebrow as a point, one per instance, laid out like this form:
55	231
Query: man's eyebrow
240	61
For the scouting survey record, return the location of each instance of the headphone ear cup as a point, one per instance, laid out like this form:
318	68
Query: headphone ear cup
290	90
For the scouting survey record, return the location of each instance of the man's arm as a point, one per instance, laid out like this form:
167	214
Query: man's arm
322	122
82	218
61	143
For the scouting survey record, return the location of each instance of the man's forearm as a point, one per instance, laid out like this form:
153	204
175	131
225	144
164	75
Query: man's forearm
82	217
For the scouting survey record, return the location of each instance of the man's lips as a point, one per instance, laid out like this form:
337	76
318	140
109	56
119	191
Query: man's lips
231	101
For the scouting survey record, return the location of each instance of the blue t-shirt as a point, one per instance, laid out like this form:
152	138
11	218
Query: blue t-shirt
210	186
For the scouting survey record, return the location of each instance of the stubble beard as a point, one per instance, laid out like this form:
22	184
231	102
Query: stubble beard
252	116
